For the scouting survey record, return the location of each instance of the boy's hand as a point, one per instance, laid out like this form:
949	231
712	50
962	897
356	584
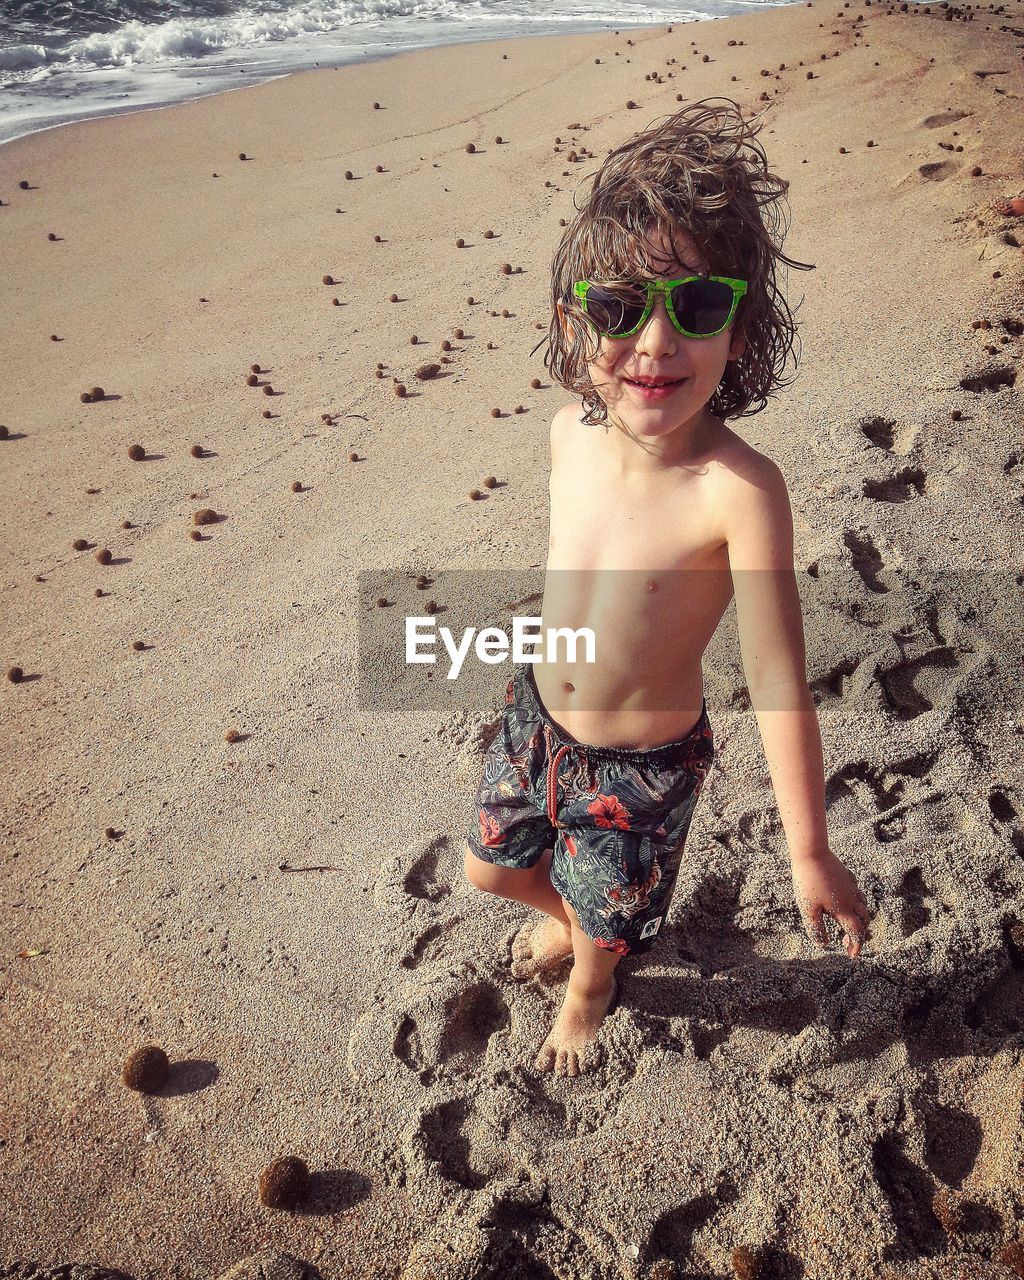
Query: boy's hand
823	884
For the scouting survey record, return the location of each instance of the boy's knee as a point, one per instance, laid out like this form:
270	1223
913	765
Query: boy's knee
480	874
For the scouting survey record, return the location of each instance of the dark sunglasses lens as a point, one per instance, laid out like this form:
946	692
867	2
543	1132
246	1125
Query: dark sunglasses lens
702	306
612	313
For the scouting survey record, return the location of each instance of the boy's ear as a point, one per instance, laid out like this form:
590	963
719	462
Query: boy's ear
737	344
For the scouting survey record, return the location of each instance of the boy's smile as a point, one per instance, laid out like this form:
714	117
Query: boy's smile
665	420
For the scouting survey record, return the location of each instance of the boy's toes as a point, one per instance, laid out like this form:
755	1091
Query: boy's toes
568	1063
545	1060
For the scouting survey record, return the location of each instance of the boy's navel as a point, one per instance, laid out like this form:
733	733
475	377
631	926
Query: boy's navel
651	585
567	687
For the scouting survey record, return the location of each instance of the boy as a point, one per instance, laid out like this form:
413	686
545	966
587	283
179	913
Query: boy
665	275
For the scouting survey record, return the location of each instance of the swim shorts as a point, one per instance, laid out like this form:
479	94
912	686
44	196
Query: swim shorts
616	819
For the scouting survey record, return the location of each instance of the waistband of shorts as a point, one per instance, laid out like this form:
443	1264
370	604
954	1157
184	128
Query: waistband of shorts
528	698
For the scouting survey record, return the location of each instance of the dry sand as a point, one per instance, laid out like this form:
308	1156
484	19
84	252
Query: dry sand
752	1090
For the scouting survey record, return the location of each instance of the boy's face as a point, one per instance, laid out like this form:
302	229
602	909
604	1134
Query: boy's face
659	350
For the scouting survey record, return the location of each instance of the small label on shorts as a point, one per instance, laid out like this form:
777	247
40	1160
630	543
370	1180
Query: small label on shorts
652	926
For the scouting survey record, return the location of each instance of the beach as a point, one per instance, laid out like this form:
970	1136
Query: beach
282	908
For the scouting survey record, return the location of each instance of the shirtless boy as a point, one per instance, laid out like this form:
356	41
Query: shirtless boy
660	514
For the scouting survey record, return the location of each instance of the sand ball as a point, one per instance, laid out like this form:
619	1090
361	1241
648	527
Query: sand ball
80	544
267	413
14	674
4	433
414	339
51	236
870	142
376	239
127	524
535	383
706	58
475	494
498	139
23	184
1012	1256
393	297
39	578
85	397
504	312
205	515
491	346
138	644
976	171
842	151
430	606
109	833
376	106
458	333
495	413
136	452
353	457
421	582
268	390
426	371
254	368
335	302
195	535
103	555
251	380
284	1183
348	174
242	156
325	417
196	451
470	301
470	148
490	482
506	269
378	168
488	234
97	393
460	243
98	591
746	1263
630	105
400	389
519	409
328	280
231	735
381	602
54	338
296	486
379	373
146	1069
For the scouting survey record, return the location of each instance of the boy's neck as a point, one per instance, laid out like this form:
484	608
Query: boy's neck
635	455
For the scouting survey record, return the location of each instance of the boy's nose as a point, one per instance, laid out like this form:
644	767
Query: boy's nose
658	333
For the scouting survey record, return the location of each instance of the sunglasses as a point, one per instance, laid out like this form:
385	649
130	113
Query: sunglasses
698	306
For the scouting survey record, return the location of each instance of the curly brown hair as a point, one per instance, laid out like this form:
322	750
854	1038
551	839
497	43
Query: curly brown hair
701	170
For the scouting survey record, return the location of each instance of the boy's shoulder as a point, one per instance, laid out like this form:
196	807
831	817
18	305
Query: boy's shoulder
733	463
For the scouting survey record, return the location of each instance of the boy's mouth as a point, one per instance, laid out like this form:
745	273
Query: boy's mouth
655	390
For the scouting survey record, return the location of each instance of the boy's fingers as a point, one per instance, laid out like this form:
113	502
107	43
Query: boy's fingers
815	926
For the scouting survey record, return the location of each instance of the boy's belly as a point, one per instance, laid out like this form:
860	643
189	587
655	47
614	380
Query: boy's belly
651	628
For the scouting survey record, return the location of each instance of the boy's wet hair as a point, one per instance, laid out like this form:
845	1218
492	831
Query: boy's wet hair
701	169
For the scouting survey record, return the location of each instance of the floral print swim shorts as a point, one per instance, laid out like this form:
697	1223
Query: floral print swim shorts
616	819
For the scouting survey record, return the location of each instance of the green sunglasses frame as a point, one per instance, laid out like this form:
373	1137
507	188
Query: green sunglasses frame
665	287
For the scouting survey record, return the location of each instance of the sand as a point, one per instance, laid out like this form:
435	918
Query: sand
751	1090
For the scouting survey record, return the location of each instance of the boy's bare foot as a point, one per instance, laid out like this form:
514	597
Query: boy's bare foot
577	1024
540	944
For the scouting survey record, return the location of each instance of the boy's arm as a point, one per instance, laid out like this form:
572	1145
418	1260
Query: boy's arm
759	536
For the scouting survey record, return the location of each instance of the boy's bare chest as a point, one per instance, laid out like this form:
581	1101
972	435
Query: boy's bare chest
597	524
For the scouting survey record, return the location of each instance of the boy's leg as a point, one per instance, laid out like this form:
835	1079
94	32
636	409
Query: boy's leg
541	944
591	990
